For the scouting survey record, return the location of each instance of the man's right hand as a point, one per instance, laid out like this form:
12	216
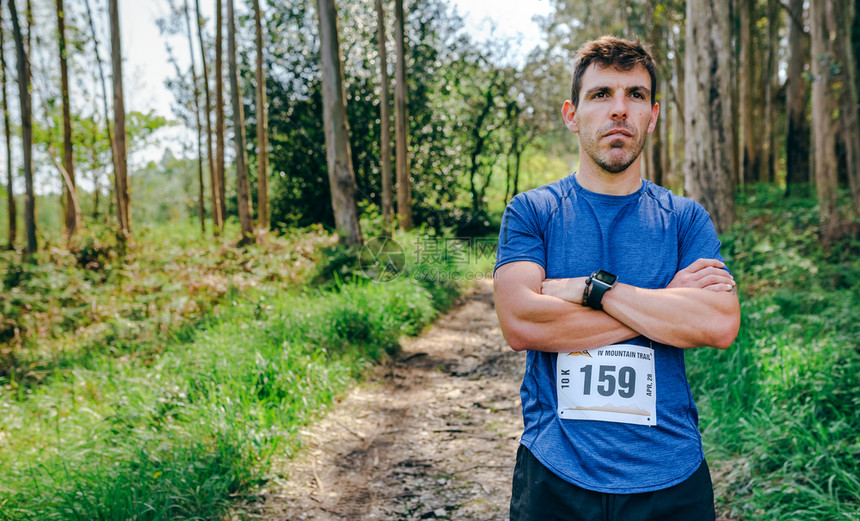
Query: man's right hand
704	274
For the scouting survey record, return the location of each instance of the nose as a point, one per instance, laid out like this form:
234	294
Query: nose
619	107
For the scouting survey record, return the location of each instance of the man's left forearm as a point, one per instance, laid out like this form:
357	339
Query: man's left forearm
698	308
681	317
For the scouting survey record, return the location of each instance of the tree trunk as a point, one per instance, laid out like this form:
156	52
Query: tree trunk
734	5
797	128
238	132
823	127
655	158
708	117
384	118
750	166
217	211
401	119
338	153
93	35
515	151
655	143
480	141
770	81
7	132
28	16
122	196
94	162
219	110
71	214
201	210
663	123
842	16
679	127
262	128
26	130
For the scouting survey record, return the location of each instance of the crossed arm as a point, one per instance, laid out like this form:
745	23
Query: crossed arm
698	308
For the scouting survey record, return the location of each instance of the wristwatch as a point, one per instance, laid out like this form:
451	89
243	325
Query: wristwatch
596	286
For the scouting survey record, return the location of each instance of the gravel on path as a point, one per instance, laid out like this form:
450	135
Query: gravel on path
430	435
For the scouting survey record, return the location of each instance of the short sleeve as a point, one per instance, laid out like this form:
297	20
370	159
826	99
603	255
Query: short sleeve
521	236
698	237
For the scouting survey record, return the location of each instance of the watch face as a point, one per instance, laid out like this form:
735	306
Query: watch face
606	277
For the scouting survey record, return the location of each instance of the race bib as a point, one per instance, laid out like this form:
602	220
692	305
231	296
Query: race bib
613	383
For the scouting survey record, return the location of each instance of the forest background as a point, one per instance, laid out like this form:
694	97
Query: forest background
294	240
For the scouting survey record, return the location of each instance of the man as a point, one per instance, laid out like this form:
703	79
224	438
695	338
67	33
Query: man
605	278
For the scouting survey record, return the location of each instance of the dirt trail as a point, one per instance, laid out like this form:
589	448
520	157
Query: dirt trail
430	436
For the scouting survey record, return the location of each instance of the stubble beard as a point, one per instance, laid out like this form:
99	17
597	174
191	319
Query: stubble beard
611	161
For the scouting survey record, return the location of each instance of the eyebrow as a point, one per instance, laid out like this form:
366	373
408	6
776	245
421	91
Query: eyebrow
605	88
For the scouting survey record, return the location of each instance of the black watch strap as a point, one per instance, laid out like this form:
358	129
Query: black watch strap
601	282
595	295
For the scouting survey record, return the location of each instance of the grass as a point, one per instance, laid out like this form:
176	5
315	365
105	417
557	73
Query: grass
779	408
70	304
178	423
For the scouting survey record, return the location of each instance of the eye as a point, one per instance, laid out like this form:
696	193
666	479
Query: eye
600	95
638	95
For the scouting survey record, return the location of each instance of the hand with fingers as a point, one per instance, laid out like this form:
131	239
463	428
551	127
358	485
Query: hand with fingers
705	274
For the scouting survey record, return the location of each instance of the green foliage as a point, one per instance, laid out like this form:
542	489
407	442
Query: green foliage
337	262
440	159
780	405
185	417
16	273
96	248
72	305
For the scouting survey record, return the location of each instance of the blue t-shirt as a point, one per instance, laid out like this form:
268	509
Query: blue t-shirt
644	238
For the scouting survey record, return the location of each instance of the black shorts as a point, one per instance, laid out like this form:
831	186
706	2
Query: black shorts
540	495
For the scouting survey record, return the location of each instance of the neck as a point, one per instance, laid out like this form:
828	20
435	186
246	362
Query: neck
595	179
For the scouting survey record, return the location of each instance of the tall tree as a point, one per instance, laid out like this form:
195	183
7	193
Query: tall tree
736	97
7	132
26	129
201	210
797	128
750	165
708	108
219	110
217	210
401	118
122	192
655	141
823	127
384	117
108	126
72	209
338	153
238	131
841	17
770	80
28	16
262	126
679	126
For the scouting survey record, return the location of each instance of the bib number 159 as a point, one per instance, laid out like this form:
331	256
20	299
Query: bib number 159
613	383
609	381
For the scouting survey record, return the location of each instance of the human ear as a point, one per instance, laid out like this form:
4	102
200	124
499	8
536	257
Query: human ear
655	113
568	111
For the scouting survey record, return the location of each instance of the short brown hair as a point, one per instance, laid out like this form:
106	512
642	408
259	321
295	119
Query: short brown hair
610	51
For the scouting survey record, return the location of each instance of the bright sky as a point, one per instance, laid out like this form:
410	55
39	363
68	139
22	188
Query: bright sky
504	18
146	64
